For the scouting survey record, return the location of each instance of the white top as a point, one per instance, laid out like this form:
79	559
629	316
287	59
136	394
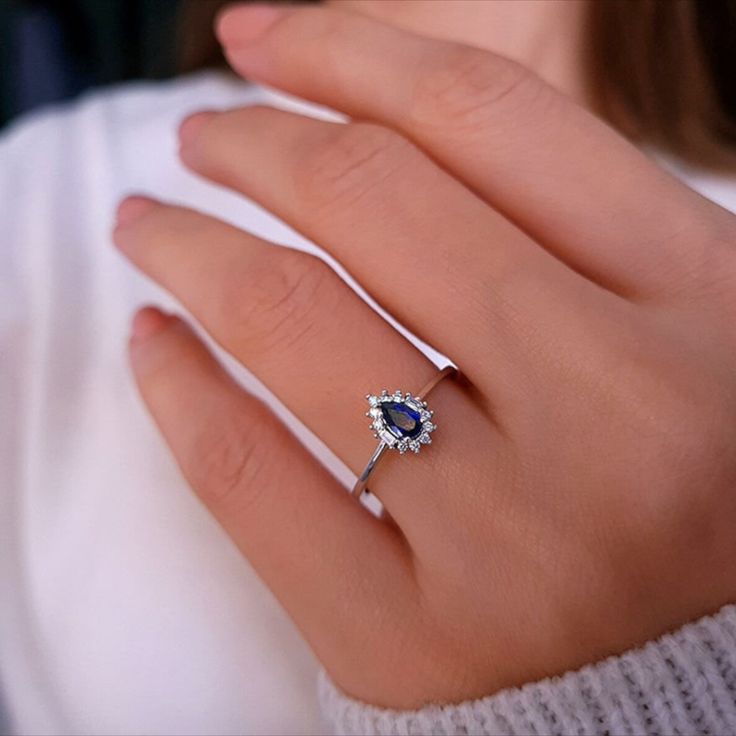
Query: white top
123	607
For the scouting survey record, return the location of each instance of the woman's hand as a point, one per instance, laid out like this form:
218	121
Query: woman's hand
580	495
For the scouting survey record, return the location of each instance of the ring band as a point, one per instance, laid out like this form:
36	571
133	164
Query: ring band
401	422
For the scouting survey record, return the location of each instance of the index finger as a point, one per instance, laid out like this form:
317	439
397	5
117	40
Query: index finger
531	152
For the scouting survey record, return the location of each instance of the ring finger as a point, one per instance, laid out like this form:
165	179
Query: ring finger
298	327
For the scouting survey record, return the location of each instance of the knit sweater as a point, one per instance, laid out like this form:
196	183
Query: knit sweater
683	683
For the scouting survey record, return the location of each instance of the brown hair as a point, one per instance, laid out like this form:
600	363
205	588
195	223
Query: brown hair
662	71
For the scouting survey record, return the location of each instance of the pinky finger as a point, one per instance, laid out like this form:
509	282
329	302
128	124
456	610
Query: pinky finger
324	557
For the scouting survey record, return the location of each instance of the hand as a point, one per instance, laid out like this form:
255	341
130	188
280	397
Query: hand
579	496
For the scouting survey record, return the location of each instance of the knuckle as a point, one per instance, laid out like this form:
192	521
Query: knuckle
274	307
232	465
346	165
464	87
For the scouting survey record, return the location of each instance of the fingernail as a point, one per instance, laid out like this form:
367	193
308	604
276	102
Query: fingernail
192	124
147	322
244	24
132	208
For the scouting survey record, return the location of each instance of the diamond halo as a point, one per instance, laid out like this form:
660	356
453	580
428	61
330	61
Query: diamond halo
402	421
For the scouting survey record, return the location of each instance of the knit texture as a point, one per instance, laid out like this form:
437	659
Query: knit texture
683	683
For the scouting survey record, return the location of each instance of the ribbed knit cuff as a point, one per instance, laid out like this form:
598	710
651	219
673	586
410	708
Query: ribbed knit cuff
683	683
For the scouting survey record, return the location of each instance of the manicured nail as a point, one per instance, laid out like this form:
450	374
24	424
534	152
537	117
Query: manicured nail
192	124
244	24
147	322
131	208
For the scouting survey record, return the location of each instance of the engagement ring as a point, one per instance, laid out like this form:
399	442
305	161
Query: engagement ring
400	421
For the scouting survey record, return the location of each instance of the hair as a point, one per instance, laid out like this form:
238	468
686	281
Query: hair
663	72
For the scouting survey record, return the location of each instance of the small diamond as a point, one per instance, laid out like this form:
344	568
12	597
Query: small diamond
414	404
387	437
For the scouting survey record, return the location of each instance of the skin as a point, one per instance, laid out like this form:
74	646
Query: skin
546	36
578	498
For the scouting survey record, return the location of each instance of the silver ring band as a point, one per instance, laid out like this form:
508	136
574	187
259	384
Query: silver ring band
392	435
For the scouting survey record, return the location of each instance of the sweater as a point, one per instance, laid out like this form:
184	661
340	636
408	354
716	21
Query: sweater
682	683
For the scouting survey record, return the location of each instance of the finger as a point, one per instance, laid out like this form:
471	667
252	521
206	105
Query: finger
307	336
530	151
434	255
340	573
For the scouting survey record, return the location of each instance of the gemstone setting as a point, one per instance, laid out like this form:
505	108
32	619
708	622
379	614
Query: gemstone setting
400	420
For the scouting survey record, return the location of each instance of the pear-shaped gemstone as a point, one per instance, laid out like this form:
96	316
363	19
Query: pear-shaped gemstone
401	419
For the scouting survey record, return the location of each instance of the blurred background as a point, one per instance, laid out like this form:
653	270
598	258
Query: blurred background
52	50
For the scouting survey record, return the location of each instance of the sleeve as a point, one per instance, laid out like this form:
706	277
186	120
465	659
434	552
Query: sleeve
683	683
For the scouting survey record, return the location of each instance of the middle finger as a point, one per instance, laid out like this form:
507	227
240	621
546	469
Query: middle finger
441	260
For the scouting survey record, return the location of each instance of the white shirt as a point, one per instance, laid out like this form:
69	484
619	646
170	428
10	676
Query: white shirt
124	609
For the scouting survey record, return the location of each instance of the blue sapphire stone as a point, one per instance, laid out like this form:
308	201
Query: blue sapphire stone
401	420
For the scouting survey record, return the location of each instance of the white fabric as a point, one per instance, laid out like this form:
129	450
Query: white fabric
123	607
